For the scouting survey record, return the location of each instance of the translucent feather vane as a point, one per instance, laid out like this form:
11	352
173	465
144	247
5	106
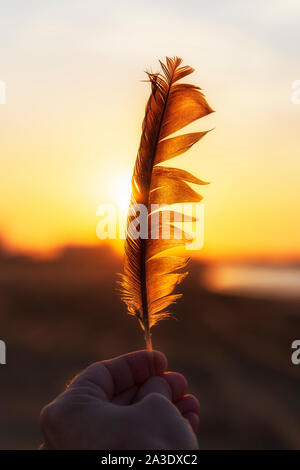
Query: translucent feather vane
150	275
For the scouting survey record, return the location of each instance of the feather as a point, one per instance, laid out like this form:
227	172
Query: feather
150	275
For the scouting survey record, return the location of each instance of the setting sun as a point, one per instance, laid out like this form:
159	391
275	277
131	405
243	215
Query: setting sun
120	191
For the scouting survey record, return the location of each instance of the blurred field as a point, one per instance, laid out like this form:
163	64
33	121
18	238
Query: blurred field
58	316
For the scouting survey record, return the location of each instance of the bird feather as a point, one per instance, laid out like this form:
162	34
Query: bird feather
150	275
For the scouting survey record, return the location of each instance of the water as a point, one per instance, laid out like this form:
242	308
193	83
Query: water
258	281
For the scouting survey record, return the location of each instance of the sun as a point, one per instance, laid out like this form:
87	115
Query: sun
121	190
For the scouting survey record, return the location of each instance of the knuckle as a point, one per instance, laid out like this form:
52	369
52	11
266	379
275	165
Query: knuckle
156	405
50	417
157	398
160	401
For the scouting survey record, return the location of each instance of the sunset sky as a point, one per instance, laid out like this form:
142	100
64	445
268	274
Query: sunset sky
75	103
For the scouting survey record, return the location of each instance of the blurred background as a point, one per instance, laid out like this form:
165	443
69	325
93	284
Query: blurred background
59	315
70	129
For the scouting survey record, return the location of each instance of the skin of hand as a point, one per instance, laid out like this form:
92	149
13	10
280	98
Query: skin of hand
129	402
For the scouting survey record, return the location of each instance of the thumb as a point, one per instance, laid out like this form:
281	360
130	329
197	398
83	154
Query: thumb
154	385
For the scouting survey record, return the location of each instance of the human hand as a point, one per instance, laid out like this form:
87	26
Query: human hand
123	403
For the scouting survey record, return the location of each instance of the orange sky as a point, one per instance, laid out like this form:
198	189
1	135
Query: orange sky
71	126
